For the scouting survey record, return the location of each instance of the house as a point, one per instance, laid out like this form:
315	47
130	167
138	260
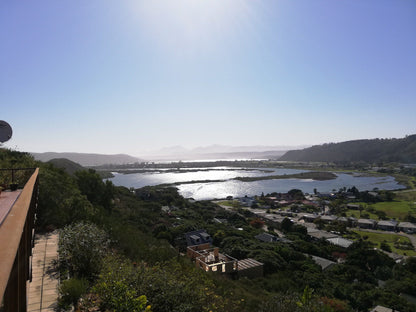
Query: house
274	218
318	234
339	241
247	201
407	227
220	220
166	209
352	221
382	309
211	260
197	238
328	219
387	225
309	217
343	220
322	262
353	206
366	223
269	238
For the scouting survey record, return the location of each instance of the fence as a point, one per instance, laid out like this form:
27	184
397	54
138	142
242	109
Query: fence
16	241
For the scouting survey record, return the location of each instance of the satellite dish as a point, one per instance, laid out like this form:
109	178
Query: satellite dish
5	131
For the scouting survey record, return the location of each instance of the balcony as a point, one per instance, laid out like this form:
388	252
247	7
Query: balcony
17	216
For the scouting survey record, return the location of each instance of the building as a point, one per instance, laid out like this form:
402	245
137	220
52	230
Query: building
309	217
339	241
318	234
197	238
247	201
382	309
366	223
211	260
328	219
387	225
323	263
250	268
269	238
407	227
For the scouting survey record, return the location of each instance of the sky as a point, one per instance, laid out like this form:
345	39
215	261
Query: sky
131	76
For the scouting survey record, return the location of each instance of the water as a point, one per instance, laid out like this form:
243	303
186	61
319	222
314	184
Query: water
211	190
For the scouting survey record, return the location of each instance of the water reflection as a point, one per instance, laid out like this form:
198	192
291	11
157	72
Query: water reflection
210	190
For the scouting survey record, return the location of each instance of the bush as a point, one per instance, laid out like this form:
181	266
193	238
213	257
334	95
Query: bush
81	249
71	290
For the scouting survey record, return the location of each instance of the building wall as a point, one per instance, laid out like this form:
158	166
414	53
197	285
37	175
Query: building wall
254	272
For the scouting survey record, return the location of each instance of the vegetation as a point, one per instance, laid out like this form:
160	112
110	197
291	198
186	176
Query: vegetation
121	252
389	242
376	150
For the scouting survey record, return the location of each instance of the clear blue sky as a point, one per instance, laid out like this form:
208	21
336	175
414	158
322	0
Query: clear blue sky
128	76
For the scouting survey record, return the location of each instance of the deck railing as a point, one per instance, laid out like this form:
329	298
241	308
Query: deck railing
16	240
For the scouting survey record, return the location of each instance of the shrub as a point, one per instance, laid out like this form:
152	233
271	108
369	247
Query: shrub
81	249
71	290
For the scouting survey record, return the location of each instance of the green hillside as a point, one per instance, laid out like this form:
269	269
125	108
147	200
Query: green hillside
68	165
389	150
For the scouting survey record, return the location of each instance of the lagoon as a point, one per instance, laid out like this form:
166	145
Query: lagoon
227	187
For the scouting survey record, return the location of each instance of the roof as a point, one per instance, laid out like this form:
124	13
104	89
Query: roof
366	221
342	219
197	237
322	262
248	264
309	216
328	218
382	309
266	237
339	241
387	223
320	234
407	225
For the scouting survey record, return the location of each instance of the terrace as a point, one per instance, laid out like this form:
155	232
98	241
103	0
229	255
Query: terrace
16	240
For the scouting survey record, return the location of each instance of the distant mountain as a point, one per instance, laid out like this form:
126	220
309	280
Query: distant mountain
69	166
218	152
88	159
390	150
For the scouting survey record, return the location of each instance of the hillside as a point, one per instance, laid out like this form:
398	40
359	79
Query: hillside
69	166
374	150
88	159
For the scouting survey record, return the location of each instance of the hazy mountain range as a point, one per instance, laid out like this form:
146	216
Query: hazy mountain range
85	159
173	153
374	150
218	152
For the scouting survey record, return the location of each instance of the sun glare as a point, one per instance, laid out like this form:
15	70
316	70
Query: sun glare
185	25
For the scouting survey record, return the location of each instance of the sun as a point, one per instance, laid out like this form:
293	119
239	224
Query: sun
189	24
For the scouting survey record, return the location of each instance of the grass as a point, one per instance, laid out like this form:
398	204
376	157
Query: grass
397	209
356	214
407	195
408	181
225	203
390	239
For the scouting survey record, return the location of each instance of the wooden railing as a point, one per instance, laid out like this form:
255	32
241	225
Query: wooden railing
16	238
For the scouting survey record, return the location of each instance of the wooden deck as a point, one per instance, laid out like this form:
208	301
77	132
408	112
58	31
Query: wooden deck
7	200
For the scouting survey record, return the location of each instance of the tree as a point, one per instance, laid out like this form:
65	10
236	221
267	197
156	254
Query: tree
286	225
296	194
91	185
